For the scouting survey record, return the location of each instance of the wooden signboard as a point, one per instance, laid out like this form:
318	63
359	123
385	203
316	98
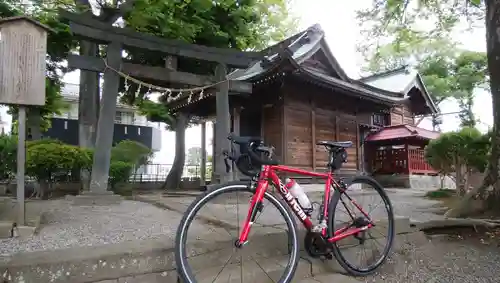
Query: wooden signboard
23	47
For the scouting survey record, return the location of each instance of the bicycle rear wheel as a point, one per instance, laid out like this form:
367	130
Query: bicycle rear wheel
377	252
226	254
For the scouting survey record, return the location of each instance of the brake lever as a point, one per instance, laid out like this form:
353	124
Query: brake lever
266	149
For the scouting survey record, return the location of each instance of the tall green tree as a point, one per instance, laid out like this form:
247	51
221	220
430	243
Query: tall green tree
244	25
447	72
392	19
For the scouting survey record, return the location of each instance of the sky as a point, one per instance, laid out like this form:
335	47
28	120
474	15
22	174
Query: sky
338	20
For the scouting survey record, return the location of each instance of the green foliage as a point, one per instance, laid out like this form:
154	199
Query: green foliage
446	71
230	23
440	194
243	25
401	21
46	160
30	144
467	147
8	155
131	152
119	172
87	158
155	112
393	38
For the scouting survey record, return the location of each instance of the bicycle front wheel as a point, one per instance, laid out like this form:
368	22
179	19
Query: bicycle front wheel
217	259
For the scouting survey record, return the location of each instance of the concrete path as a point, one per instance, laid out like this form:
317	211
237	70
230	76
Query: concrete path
406	202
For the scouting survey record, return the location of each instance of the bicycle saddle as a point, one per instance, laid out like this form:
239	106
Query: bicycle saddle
332	144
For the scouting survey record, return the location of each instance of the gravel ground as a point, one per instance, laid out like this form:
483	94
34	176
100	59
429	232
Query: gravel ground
443	259
69	226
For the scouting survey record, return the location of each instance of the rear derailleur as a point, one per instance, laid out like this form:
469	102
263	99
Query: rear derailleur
358	223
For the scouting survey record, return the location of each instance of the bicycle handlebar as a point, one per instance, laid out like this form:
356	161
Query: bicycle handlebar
254	145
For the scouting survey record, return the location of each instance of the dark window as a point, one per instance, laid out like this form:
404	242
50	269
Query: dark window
380	119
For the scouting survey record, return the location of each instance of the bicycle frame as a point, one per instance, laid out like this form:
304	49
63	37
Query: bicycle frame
269	173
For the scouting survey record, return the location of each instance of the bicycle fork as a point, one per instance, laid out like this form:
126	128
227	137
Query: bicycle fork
255	207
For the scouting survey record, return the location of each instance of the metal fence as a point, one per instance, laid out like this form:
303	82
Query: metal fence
158	172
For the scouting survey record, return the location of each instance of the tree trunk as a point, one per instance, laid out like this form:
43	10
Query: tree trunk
105	129
493	53
88	107
174	176
459	179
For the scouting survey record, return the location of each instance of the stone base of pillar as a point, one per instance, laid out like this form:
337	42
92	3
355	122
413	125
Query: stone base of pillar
96	198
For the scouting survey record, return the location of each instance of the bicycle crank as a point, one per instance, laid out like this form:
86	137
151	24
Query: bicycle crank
317	246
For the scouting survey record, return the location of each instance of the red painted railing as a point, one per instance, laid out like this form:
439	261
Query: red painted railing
417	163
400	161
390	161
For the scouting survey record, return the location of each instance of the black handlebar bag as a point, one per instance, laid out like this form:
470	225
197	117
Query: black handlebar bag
247	165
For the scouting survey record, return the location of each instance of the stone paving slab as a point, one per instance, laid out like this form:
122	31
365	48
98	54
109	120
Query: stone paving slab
330	278
224	213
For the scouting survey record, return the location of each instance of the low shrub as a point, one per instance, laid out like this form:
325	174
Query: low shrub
441	193
119	172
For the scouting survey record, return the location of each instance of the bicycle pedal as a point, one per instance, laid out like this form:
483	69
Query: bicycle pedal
326	257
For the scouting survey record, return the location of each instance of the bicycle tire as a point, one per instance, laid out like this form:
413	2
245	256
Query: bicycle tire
183	269
350	268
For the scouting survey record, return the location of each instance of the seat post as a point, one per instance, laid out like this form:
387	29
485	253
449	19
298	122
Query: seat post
330	159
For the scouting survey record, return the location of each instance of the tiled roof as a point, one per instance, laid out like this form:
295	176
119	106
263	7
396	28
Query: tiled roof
397	80
298	49
301	45
352	87
400	80
402	132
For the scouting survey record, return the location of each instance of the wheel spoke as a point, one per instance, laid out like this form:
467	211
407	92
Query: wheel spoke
221	213
369	255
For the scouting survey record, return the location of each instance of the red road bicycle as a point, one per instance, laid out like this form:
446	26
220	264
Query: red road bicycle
322	238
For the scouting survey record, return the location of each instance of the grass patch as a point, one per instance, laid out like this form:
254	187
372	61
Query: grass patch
440	194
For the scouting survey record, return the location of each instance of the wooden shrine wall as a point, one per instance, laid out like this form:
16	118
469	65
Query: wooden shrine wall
272	118
402	115
311	114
